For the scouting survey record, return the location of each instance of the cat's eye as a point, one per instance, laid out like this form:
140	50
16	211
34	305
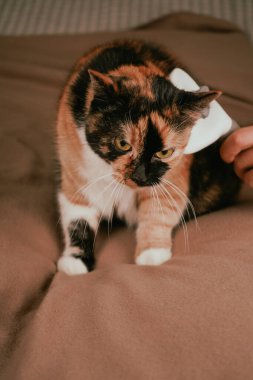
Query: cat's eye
122	145
166	153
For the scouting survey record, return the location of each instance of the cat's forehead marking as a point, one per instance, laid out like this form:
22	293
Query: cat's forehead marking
153	140
163	127
159	122
150	133
169	135
136	131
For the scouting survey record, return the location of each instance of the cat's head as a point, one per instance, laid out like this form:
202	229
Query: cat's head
140	123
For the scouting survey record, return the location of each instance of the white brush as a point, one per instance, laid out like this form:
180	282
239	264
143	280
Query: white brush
205	131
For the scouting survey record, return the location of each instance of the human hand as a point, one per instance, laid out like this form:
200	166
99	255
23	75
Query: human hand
238	149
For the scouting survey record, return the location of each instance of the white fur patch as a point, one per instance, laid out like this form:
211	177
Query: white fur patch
71	212
126	205
103	191
153	256
71	265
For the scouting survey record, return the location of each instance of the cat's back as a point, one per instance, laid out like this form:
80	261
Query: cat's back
109	56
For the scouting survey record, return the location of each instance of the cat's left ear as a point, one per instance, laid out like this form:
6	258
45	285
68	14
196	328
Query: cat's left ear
202	99
205	97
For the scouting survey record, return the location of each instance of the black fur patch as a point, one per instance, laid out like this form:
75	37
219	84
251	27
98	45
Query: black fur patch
110	127
149	169
153	142
209	170
82	236
164	92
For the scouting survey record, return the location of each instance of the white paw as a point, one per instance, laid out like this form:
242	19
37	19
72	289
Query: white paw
153	256
71	265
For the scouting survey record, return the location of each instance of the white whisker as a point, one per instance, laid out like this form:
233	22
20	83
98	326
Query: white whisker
185	198
89	184
180	193
152	211
173	208
158	201
155	198
117	196
180	216
106	204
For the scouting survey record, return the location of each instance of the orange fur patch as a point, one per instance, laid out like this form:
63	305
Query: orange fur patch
70	154
160	210
138	76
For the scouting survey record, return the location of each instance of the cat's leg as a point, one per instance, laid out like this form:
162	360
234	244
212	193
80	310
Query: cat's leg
157	216
79	222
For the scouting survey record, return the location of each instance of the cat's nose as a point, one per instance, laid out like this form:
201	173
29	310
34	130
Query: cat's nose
139	175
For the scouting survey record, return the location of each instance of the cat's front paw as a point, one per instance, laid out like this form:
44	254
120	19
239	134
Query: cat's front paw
71	265
153	256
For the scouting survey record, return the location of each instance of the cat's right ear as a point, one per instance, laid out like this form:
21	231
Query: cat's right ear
102	86
102	80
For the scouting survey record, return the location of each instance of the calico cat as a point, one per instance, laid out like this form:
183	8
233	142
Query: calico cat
121	131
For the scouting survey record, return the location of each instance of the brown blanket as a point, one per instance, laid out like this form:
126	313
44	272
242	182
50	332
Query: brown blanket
191	318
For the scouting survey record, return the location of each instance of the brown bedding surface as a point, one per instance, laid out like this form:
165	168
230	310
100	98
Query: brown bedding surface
191	318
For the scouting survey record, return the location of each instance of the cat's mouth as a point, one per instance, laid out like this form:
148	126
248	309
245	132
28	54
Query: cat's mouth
135	184
141	183
129	182
136	181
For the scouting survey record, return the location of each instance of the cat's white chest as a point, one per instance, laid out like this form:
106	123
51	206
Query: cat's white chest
110	197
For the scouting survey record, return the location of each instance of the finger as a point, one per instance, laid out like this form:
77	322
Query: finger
243	162
248	177
239	140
